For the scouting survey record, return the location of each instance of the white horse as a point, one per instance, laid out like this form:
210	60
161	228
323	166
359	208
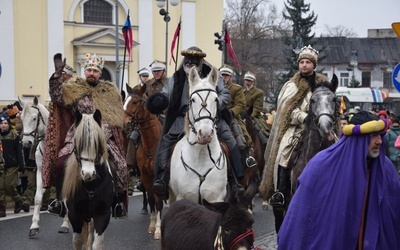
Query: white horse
34	120
198	164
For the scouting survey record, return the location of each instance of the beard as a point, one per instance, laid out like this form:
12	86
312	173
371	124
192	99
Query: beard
92	81
372	154
187	68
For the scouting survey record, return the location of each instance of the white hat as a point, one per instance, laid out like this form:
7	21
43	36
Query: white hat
226	70
357	108
144	72
249	76
157	65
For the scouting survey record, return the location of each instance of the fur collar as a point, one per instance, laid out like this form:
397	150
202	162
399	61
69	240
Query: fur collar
106	98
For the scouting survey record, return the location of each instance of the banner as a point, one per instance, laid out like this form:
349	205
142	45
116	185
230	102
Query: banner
176	36
128	36
231	51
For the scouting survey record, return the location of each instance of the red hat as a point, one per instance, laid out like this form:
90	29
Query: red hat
383	112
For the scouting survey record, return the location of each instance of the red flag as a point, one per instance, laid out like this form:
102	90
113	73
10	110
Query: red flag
176	35
128	36
231	51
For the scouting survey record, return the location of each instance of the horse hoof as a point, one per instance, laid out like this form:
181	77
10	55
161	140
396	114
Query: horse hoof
63	230
144	211
157	236
151	230
33	232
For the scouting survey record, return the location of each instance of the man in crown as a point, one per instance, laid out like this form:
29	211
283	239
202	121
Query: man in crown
293	102
86	95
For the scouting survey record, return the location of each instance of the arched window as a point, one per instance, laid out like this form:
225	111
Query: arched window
97	11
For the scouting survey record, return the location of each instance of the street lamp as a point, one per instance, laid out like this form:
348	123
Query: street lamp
353	65
167	18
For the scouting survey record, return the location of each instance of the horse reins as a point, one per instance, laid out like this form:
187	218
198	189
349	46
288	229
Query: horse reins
218	244
35	133
203	108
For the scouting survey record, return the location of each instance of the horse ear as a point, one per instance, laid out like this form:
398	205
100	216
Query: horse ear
193	76
129	89
97	116
21	101
334	82
213	76
142	89
35	101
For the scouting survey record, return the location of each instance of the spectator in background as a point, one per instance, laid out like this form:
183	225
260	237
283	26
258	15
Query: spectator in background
357	109
384	115
344	120
392	152
11	148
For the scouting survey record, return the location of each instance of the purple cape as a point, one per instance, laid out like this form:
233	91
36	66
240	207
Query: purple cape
326	210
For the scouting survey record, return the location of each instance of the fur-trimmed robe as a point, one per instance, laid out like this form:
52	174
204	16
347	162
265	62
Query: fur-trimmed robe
77	94
294	95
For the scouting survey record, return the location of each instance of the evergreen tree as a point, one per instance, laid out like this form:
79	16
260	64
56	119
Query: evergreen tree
301	35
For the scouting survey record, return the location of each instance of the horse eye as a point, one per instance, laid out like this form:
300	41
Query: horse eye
312	101
334	99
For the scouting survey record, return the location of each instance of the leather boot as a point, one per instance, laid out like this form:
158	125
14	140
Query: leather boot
25	207
2	211
18	207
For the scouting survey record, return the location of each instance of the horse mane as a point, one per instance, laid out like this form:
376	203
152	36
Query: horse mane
89	137
308	146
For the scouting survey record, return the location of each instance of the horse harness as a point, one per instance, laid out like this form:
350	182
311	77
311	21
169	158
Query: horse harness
37	138
218	243
203	108
91	193
135	124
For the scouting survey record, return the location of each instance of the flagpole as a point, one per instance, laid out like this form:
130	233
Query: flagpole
177	44
116	46
123	64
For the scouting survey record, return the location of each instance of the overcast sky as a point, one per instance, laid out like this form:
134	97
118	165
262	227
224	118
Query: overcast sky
359	15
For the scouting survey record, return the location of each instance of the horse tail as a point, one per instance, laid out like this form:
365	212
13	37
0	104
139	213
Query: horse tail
71	177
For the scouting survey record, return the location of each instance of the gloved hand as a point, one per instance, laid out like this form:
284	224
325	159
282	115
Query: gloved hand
158	101
59	64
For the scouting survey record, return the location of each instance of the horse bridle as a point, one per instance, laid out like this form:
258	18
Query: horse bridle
218	245
96	160
316	118
203	108
35	133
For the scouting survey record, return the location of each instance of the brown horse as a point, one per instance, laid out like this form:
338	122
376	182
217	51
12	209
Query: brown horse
149	128
257	151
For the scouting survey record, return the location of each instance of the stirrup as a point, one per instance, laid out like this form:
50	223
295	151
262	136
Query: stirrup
119	210
274	202
251	162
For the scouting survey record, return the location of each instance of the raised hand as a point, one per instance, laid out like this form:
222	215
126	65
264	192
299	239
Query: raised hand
59	64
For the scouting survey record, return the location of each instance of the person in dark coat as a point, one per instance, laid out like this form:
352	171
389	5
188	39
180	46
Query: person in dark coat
175	97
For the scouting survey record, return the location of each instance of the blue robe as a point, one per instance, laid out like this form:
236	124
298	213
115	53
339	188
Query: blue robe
326	210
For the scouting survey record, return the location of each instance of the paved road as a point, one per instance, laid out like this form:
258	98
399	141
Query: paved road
128	233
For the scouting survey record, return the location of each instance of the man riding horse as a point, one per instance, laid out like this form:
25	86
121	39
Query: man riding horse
175	97
293	103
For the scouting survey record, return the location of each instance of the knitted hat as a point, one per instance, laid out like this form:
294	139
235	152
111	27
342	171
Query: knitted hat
69	70
193	51
157	65
226	70
94	62
250	76
310	54
144	72
4	118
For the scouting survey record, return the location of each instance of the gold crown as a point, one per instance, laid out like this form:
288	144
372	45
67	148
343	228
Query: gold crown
94	62
309	53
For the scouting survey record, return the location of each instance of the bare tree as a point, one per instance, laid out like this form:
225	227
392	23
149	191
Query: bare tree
338	31
253	25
